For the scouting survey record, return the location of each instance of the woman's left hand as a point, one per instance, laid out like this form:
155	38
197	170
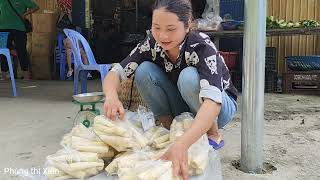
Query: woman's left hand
178	154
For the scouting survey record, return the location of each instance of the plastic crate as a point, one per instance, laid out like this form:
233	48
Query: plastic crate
231	24
233	7
236	78
303	63
3	39
270	79
230	59
271	59
302	82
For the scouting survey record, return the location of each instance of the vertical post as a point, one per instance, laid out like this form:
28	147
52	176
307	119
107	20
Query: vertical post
137	16
253	83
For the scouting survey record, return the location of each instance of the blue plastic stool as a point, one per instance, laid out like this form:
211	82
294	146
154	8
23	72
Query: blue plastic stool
6	52
81	70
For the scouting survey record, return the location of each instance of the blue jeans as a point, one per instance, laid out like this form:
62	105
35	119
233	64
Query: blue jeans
167	99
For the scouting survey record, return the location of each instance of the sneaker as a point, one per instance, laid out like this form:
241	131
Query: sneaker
89	76
70	72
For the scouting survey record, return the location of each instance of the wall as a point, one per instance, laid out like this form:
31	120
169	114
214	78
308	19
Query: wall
294	10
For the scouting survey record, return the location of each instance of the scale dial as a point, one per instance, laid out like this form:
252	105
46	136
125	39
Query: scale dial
85	117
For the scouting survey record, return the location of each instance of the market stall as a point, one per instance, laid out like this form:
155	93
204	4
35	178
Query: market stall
303	80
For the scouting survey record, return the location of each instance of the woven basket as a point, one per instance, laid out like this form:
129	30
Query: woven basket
129	95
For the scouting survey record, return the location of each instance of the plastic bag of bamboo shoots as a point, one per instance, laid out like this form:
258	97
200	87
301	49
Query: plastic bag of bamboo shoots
198	152
148	170
158	137
146	117
179	124
127	160
119	134
83	139
198	156
69	163
134	119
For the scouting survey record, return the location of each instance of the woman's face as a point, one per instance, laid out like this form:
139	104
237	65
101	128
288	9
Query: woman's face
167	30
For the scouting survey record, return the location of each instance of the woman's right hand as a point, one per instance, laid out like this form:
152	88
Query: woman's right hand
113	107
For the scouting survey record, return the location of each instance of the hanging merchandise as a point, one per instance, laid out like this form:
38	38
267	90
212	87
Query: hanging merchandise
210	17
65	6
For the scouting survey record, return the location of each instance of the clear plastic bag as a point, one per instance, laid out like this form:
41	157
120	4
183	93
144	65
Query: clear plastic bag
146	117
198	152
211	19
148	170
212	8
119	134
179	124
198	156
85	140
69	163
209	24
127	160
143	165
158	137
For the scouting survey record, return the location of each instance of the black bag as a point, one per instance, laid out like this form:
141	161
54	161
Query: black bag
28	25
26	22
64	22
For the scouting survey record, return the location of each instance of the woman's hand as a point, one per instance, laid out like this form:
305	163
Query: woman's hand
178	154
113	107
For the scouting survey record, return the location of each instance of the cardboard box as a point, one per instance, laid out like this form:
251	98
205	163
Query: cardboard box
41	67
42	44
51	5
46	5
44	22
41	4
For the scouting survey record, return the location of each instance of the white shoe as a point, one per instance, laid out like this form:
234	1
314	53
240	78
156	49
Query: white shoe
89	75
70	72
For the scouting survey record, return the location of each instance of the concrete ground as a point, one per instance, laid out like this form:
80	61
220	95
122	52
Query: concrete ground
34	122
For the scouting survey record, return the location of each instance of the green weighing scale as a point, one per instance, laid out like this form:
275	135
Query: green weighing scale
88	110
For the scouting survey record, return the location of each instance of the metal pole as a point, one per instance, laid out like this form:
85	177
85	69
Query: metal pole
253	83
137	16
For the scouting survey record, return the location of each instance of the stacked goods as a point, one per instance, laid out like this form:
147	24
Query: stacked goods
83	155
128	165
272	22
68	164
43	35
84	140
138	150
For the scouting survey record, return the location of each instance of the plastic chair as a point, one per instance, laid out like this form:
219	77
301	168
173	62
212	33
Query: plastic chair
6	52
60	58
81	69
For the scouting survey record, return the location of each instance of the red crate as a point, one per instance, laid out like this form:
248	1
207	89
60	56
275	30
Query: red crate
302	82
230	59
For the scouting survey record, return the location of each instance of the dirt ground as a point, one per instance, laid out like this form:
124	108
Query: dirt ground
34	122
